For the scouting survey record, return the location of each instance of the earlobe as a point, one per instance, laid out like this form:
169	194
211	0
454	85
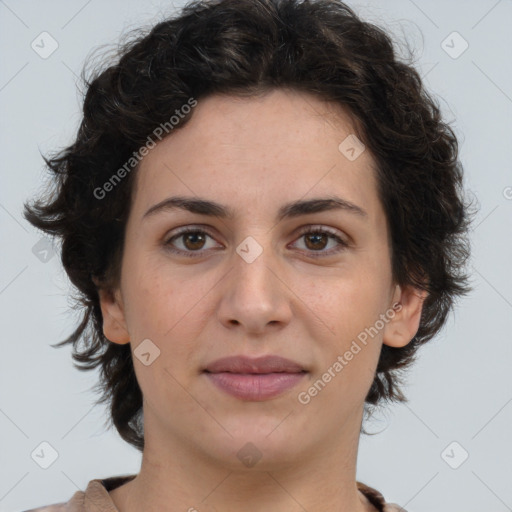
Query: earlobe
114	323
405	319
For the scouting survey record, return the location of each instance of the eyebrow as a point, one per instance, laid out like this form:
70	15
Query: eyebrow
287	211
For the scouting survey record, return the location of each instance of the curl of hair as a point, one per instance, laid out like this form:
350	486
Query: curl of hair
246	48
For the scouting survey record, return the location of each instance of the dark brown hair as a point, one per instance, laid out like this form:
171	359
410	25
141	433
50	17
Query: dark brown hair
247	47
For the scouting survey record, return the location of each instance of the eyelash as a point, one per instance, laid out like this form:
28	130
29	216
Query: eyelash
306	231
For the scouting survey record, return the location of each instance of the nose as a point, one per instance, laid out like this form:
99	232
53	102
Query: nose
254	294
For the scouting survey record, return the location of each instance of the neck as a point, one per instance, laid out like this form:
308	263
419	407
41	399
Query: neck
178	478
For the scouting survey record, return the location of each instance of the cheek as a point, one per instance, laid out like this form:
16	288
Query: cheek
161	309
348	310
156	298
350	349
162	305
347	303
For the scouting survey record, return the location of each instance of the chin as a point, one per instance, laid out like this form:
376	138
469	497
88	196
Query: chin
267	444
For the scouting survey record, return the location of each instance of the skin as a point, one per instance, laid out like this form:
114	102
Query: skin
254	155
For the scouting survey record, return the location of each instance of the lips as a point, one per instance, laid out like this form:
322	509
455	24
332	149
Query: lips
254	379
264	364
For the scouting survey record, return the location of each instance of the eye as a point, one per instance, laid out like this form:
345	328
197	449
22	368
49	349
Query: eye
193	241
317	238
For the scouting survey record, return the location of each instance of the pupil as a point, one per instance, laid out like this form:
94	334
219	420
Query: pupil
316	237
194	236
197	238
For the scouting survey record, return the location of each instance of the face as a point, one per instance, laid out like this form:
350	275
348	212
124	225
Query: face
254	277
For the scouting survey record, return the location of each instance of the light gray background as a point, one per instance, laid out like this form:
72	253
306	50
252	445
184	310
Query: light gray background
459	391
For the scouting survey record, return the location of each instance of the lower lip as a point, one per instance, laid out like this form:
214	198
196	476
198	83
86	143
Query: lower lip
254	386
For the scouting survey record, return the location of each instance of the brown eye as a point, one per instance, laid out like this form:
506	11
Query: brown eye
317	239
192	242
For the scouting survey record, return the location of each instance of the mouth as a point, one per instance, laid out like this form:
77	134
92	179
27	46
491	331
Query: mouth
259	365
257	379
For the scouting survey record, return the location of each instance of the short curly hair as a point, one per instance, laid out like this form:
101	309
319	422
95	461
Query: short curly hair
248	47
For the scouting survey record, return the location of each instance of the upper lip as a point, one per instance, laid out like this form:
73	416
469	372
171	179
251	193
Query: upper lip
264	364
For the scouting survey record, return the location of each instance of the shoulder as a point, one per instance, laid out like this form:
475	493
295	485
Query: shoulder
377	499
75	504
96	492
393	507
57	507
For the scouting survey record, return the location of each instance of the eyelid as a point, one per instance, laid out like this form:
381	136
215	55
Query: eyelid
188	228
343	242
325	229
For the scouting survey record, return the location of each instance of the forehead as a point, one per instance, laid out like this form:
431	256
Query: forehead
253	151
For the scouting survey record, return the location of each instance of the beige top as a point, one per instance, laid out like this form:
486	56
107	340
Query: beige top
96	498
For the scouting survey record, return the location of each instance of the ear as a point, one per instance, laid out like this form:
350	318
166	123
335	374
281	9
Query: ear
403	326
112	310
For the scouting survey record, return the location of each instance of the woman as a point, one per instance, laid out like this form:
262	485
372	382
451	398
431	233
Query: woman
263	215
